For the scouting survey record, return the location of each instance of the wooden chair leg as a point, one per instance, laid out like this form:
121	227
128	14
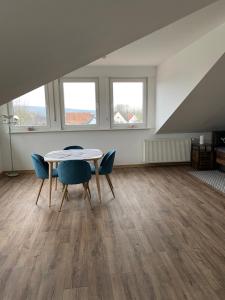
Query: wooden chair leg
63	196
85	192
110	184
56	181
39	191
86	187
67	195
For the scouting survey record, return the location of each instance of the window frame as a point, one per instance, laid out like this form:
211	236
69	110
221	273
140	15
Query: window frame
64	126
142	125
25	128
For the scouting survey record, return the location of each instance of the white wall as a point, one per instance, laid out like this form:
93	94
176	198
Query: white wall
179	75
204	107
129	143
1	165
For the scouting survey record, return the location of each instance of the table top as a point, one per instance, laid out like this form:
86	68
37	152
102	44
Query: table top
73	154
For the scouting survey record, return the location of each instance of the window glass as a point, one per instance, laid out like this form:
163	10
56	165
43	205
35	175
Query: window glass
128	100
31	108
79	103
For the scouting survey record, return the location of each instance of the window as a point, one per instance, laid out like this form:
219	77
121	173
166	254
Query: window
83	104
80	102
128	102
31	108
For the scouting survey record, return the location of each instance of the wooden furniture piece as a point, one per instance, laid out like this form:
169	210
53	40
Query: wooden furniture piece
73	154
202	156
218	140
219	156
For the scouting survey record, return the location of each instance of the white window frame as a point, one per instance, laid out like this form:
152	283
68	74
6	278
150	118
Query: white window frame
23	128
62	109
142	125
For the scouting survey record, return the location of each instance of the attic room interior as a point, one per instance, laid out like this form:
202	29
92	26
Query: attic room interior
112	150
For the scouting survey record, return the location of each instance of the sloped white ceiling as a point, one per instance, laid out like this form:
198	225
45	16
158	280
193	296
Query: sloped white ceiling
179	75
43	40
160	45
204	108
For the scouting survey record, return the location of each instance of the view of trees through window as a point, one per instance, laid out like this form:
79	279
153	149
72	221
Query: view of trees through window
127	102
80	103
31	108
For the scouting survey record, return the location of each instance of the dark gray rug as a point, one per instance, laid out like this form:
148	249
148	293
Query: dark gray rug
214	178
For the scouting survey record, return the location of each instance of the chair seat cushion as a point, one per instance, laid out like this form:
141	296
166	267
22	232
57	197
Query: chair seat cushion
54	173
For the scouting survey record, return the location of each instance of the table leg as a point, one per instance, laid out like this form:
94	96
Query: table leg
97	180
56	180
50	165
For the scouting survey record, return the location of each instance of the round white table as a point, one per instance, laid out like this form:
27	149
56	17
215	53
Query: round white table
73	154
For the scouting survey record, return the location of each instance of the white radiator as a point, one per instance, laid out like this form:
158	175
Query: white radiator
167	150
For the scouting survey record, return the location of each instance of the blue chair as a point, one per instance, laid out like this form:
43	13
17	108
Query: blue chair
41	170
73	147
106	167
74	172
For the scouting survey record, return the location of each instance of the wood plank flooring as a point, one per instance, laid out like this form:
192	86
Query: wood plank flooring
162	237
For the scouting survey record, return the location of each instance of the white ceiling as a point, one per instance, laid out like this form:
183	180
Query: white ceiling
43	40
162	44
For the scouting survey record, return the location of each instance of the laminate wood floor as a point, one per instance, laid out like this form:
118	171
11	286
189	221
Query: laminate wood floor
163	237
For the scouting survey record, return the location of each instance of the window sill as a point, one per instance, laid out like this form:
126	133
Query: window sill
77	130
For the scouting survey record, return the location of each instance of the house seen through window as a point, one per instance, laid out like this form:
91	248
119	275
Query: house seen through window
79	103
127	102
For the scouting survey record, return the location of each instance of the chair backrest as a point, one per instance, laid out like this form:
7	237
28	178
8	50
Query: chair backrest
40	166
107	162
73	147
74	171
